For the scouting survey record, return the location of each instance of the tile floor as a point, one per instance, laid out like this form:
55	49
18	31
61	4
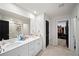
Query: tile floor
62	42
56	51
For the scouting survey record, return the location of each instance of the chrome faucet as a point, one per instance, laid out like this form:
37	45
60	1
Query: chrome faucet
1	49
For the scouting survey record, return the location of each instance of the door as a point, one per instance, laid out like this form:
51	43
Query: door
67	34
47	33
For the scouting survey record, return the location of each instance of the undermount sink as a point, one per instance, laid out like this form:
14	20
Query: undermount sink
5	44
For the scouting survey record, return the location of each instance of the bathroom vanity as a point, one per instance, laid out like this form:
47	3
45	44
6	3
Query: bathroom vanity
29	47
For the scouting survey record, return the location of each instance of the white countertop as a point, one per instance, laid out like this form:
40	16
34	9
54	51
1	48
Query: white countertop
18	43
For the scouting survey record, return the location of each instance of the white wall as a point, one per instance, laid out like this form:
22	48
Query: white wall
72	39
50	32
53	32
75	13
37	27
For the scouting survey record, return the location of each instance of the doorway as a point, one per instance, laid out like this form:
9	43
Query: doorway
47	33
63	33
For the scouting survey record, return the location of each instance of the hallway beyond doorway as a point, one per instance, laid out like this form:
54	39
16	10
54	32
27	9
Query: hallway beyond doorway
63	32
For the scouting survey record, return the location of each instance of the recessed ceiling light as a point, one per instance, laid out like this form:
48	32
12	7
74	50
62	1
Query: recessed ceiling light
35	12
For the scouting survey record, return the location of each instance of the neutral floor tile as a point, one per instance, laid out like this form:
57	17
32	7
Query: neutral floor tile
56	51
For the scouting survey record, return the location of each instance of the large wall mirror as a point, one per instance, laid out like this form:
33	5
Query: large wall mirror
17	25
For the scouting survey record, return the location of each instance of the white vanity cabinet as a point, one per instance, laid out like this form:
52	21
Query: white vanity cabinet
35	47
22	50
32	48
19	51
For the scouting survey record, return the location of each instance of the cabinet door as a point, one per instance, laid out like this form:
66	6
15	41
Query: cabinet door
35	47
19	51
22	50
31	48
38	45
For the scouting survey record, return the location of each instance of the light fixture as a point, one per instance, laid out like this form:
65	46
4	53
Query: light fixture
35	12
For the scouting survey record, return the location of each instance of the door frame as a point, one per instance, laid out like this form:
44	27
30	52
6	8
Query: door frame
57	31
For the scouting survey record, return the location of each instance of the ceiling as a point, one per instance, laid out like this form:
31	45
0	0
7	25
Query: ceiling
15	16
53	9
